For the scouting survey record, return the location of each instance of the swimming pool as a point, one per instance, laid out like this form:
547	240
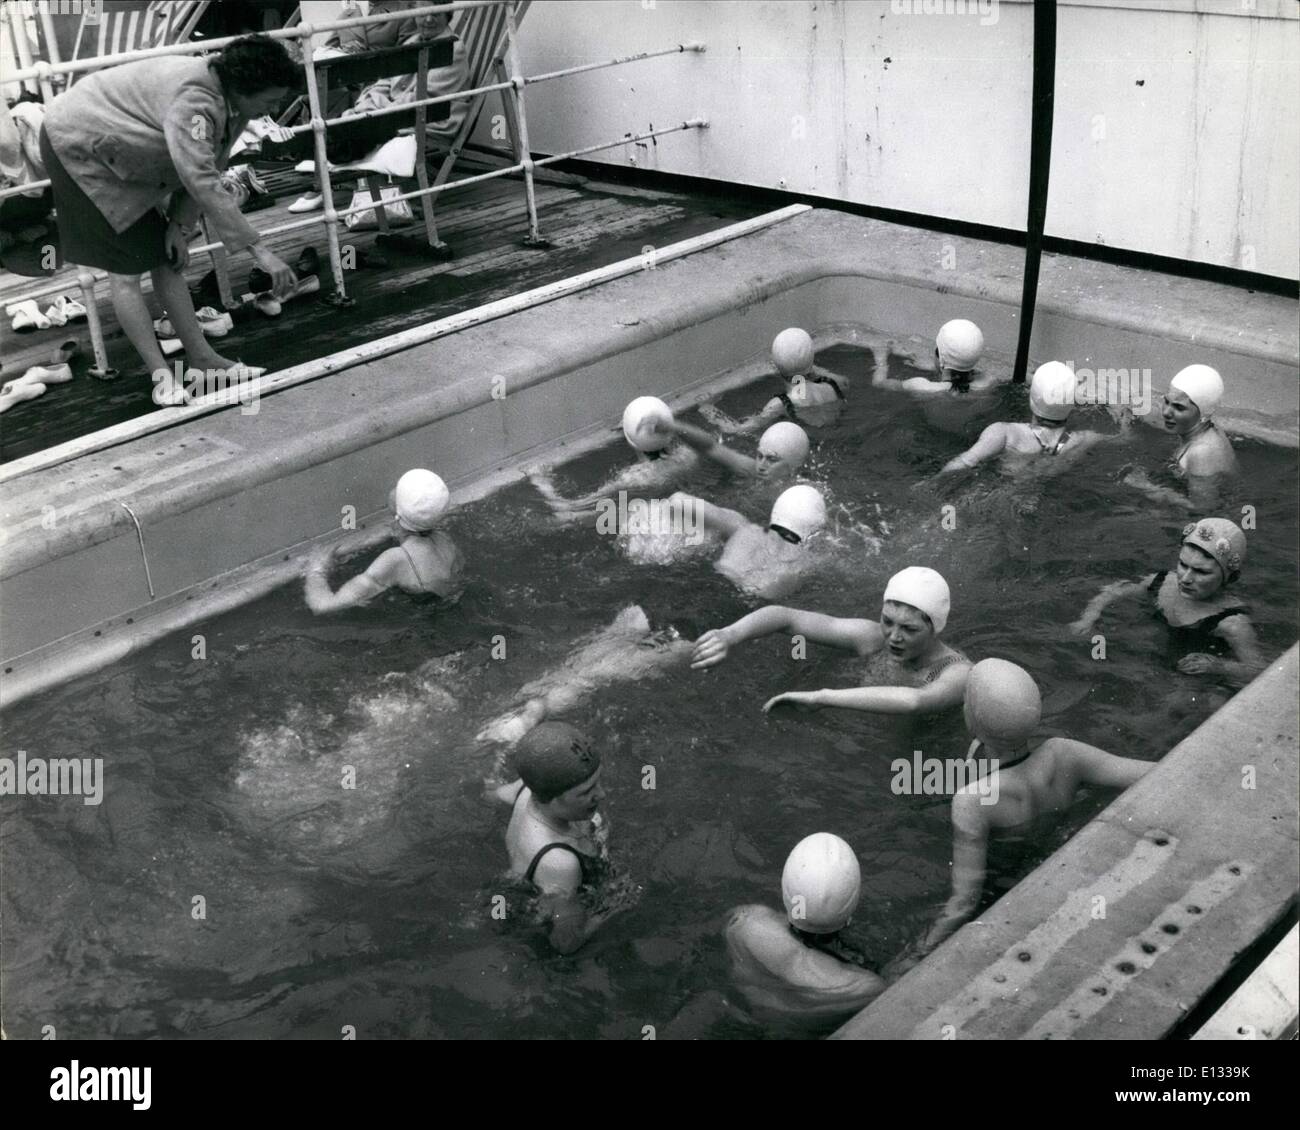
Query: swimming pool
372	907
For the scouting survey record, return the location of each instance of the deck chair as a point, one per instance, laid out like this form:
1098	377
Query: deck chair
113	26
483	31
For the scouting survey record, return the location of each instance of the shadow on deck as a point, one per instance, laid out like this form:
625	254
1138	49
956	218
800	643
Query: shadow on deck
588	223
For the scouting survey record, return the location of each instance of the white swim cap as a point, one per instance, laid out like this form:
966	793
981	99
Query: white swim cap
923	589
821	884
792	352
1002	701
421	499
787	441
1051	392
638	417
799	510
1203	386
960	345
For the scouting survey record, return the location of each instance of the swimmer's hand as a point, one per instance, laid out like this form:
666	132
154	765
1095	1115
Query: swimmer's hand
1137	478
1198	663
793	698
1083	625
710	649
509	728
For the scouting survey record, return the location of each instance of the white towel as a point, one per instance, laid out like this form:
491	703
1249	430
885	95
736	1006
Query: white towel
395	158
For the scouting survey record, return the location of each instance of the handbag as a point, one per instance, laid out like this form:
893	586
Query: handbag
397	213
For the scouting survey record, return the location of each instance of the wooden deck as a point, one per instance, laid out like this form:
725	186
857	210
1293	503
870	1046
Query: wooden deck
589	225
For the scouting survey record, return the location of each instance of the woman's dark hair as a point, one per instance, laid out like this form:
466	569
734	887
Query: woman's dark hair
256	63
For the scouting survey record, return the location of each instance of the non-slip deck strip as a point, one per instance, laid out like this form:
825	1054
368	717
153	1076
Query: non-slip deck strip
1125	928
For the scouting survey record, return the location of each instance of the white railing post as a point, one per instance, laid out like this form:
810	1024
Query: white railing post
517	82
340	295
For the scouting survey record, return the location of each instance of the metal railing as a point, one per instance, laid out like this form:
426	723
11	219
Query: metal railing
511	86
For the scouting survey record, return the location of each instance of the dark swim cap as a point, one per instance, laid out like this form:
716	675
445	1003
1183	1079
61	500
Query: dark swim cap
554	757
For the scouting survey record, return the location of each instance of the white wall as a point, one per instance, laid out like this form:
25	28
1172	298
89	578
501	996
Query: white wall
876	102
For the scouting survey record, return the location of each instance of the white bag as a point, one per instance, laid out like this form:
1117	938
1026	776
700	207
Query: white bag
399	213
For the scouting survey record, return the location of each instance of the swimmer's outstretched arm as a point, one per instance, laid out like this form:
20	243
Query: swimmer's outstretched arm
860	636
773	410
946	691
709	446
1247	662
1099	603
1088	765
716	519
992	442
357	591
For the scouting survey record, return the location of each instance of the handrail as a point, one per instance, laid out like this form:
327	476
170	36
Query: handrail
511	87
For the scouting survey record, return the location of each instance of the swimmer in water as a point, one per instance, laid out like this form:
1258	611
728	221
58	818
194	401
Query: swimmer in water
1195	600
661	462
910	670
812	397
764	562
1047	435
556	837
957	351
625	651
1205	458
782	450
1035	783
424	561
796	971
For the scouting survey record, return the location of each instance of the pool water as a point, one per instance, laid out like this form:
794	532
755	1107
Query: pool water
229	887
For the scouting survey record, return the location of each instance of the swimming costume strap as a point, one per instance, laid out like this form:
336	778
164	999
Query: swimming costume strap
784	398
414	569
1065	435
973	755
532	867
839	392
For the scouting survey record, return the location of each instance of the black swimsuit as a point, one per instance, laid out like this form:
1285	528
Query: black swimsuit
1198	635
593	867
784	397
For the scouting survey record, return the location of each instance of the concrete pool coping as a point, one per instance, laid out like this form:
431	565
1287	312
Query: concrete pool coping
1099	942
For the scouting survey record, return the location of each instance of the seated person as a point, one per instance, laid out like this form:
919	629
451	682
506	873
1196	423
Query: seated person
424	561
1035	784
395	89
1204	460
957	351
797	972
556	838
1209	624
910	670
660	463
1047	435
811	397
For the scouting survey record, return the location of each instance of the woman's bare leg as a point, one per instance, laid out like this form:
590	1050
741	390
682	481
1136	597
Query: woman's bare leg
170	287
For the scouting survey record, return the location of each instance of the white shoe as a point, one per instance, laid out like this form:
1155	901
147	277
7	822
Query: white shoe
19	391
42	375
309	285
27	317
312	202
267	304
65	309
170	345
168	392
211	322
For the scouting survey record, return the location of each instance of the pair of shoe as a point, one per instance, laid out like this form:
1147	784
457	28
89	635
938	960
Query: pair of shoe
32	384
212	322
27	316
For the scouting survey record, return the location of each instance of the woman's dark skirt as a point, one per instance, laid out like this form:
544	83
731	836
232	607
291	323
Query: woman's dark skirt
87	239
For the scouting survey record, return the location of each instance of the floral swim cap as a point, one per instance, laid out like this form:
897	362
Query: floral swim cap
1222	540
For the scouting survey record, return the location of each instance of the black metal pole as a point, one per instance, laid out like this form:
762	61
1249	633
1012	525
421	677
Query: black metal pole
1040	167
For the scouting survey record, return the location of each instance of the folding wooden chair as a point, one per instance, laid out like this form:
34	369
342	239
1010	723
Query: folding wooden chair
113	26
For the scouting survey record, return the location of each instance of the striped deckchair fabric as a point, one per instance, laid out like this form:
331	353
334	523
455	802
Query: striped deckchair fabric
110	27
483	32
